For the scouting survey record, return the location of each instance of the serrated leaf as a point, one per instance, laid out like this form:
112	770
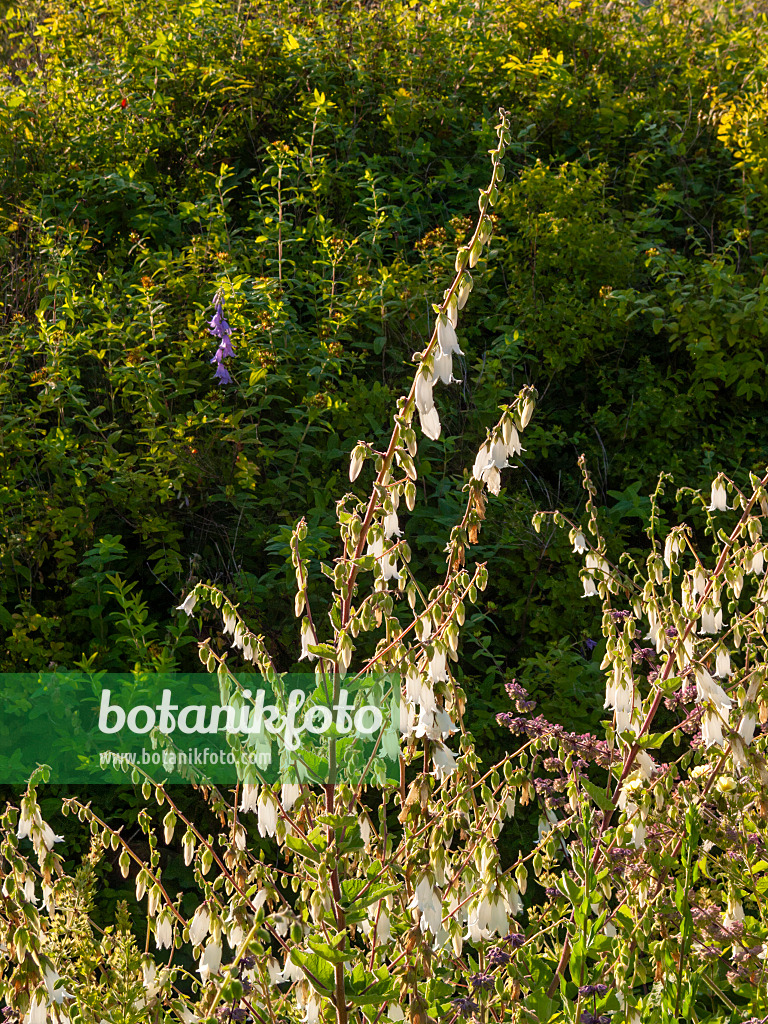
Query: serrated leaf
320	973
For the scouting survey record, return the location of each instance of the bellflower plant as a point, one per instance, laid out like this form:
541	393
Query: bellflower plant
389	900
219	328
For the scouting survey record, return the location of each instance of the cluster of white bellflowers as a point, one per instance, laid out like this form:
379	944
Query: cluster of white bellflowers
682	609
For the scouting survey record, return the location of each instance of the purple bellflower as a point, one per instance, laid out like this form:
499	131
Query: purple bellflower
219	328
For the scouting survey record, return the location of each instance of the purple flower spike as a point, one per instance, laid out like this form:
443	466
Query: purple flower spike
218	325
220	329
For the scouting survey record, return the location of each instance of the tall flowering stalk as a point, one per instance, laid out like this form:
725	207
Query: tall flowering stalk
390	902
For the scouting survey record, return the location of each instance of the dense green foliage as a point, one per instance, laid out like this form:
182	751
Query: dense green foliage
316	163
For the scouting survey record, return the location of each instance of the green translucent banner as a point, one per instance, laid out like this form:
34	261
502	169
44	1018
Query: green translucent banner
106	728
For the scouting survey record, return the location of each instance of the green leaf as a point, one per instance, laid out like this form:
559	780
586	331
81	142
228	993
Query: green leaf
319	971
334	955
302	847
598	795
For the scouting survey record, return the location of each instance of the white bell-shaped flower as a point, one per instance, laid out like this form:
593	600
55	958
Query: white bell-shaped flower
391	526
249	797
267	813
708	689
289	794
443	368
164	930
711	729
443	761
36	1014
482	460
210	961
590	590
307	638
734	912
747	728
446	337
722	662
719	497
428	901
711	621
199	925
428	417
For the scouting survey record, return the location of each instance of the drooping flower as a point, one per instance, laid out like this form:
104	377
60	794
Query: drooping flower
430	421
291	971
754	563
437	667
307	638
36	1014
26	821
590	590
711	620
222	374
199	925
579	543
56	992
443	761
446	337
49	837
391	526
465	287
188	604
708	689
218	326
722	663
498	456
711	729
491	459
389	570
289	794
267	810
719	497
734	913
481	461
164	931
249	797
511	438
747	728
210	961
443	368
428	901
673	546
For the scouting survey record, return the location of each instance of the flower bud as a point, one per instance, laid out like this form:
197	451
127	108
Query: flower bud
125	863
410	495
